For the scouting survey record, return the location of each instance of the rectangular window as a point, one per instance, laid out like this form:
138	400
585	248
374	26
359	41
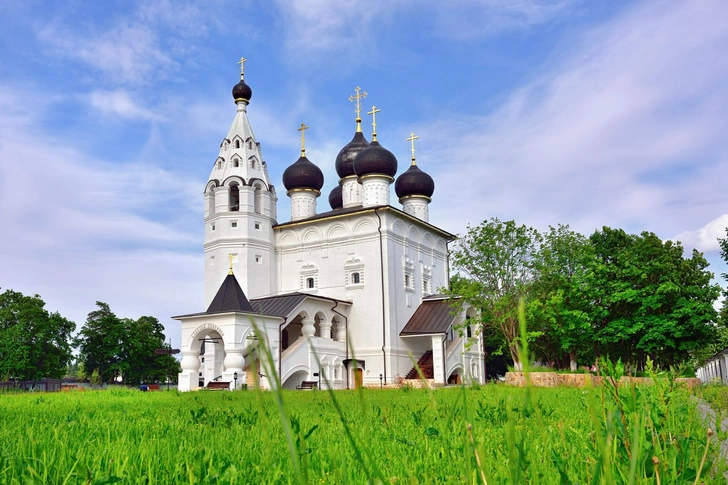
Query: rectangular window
234	224
259	259
213	227
257	225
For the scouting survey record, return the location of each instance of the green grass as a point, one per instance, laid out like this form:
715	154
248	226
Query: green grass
496	433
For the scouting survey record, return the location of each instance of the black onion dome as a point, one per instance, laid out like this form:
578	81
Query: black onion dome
335	200
375	159
303	175
414	182
345	158
242	91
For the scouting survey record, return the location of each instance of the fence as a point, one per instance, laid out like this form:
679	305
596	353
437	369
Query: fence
43	385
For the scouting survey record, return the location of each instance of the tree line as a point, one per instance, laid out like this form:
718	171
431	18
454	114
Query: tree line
37	344
626	296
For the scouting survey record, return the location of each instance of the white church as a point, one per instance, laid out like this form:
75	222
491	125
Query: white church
345	297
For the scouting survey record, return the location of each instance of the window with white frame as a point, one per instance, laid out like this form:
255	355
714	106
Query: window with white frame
354	273
409	274
426	280
309	277
233	224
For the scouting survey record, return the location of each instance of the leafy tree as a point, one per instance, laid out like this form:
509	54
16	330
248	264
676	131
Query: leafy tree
561	304
124	347
100	343
34	343
652	300
496	261
145	335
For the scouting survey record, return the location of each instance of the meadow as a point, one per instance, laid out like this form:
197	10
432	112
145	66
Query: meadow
491	434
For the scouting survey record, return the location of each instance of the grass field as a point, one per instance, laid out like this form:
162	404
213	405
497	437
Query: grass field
492	434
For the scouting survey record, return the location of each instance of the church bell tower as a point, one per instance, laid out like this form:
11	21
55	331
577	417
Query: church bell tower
240	209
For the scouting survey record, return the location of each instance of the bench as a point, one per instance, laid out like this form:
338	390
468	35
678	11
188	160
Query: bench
307	385
218	386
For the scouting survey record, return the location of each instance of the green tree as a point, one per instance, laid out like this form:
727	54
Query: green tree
100	343
34	343
124	347
145	335
652	300
561	304
496	261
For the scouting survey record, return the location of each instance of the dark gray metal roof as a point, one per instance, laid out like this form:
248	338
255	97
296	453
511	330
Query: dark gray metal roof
230	298
279	306
431	317
283	305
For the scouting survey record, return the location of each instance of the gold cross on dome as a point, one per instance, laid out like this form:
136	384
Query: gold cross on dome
230	257
242	66
374	112
303	129
357	98
412	138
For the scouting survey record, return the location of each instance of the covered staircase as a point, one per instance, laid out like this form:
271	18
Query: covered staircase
426	366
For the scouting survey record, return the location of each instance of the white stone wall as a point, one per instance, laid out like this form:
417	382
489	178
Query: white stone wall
303	204
351	191
417	207
331	250
375	190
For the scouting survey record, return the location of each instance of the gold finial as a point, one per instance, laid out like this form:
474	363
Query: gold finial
358	97
412	138
374	112
303	129
242	67
230	257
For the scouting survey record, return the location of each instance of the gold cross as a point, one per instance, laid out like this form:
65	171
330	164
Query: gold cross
230	257
412	138
358	97
242	66
303	129
374	112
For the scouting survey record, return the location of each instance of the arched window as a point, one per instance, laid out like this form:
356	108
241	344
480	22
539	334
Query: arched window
355	280
468	331
250	144
236	162
219	164
252	163
237	143
234	197
310	283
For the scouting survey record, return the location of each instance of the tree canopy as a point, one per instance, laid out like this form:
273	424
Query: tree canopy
123	347
629	296
34	343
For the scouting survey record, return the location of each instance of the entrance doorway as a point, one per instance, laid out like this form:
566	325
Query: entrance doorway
358	378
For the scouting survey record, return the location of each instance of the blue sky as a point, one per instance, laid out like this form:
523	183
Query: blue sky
574	112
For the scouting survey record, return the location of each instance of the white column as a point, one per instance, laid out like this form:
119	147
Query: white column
188	379
222	199
234	362
303	203
438	362
324	329
417	206
351	191
308	328
340	332
376	189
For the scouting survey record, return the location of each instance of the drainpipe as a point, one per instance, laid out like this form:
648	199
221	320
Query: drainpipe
280	349
346	325
381	267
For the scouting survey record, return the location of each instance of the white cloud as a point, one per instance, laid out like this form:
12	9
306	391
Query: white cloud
76	228
126	53
120	103
705	239
618	132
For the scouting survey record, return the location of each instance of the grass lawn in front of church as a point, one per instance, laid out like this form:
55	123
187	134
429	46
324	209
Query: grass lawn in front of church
493	433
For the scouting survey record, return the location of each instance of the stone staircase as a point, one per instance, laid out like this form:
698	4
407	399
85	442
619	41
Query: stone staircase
425	365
